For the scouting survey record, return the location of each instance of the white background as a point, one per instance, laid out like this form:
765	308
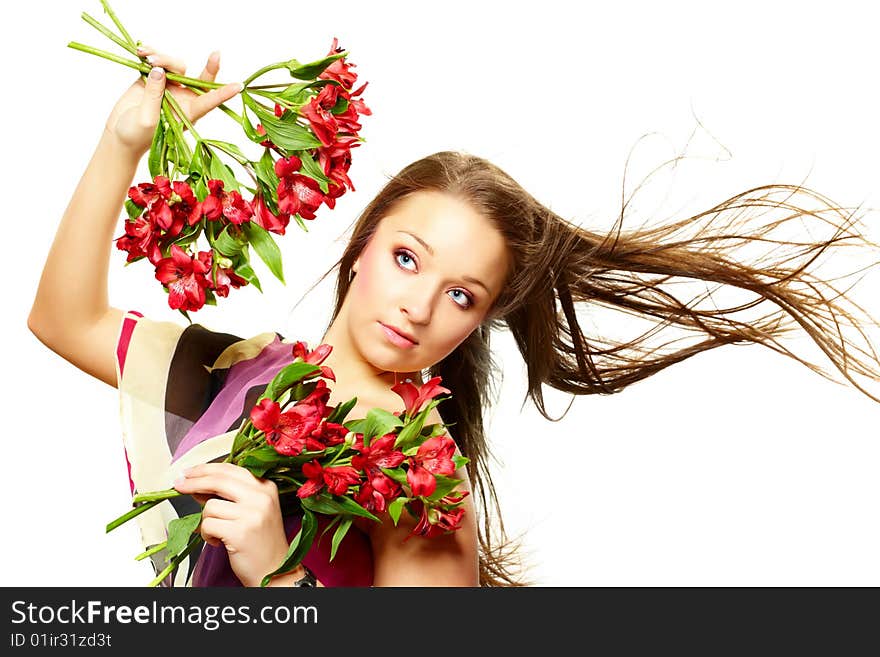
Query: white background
737	467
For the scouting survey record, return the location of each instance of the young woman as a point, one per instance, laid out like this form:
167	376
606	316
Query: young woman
409	306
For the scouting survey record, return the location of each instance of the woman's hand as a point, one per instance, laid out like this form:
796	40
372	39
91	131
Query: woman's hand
243	513
133	119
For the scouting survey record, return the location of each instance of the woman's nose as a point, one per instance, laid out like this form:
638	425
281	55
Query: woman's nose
417	307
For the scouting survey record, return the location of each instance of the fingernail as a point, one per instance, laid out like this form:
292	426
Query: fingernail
179	481
157	72
239	86
187	471
151	59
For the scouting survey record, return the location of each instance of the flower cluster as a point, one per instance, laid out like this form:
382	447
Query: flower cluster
307	132
323	464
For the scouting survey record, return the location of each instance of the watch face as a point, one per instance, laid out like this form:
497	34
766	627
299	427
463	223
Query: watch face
306	580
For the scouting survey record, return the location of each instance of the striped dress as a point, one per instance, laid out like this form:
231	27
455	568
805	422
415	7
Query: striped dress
183	393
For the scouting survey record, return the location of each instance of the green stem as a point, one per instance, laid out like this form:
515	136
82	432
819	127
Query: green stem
175	128
173	101
195	540
115	20
156	496
107	33
121	520
145	67
265	69
153	550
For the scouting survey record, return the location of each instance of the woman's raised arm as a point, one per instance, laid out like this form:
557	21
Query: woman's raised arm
71	313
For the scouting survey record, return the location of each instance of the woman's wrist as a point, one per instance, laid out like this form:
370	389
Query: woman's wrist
113	143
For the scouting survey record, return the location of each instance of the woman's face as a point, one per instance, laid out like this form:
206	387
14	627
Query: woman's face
431	270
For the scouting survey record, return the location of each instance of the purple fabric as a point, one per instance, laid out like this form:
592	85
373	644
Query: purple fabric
352	565
229	402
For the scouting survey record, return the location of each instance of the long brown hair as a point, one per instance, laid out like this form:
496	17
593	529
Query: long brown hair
556	265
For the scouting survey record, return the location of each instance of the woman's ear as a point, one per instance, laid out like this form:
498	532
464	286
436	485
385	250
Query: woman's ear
354	265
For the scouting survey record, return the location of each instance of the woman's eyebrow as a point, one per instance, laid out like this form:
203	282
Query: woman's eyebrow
428	248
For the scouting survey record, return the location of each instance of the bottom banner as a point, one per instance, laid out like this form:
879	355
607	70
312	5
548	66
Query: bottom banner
118	620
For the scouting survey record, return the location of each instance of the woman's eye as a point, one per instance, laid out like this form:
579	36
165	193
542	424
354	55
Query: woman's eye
462	298
400	255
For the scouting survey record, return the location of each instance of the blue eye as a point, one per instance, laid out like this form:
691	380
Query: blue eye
399	254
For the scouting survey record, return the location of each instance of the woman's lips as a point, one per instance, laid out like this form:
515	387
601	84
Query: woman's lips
396	339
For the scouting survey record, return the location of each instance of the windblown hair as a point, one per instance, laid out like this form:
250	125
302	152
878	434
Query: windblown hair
556	265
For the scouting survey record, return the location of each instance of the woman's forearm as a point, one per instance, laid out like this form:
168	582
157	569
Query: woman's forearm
73	285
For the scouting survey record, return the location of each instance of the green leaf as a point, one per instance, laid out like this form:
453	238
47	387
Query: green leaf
133	209
328	504
312	70
460	461
445	485
220	171
265	247
300	93
244	270
179	531
249	128
196	166
395	507
287	377
265	170
156	160
379	422
338	535
397	474
341	410
285	132
228	245
299	546
340	106
225	145
313	170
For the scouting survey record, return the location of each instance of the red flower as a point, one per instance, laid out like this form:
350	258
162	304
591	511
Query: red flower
340	70
330	433
323	121
185	207
437	520
145	194
380	454
226	276
317	356
184	276
265	218
413	397
337	479
154	196
141	239
299	195
376	501
227	204
434	457
290	432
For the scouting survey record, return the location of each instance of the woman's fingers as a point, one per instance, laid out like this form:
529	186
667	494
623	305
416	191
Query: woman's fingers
214	530
219	508
229	481
226	487
169	63
211	67
206	102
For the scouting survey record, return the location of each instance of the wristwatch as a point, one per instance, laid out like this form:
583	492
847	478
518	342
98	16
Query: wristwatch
308	579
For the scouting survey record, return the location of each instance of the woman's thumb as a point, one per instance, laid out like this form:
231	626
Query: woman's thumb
151	105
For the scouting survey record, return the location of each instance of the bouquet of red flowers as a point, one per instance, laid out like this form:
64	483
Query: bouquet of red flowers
306	132
323	464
